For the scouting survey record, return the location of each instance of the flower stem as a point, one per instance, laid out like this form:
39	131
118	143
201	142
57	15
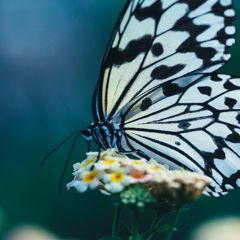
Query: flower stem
135	224
116	220
170	231
156	222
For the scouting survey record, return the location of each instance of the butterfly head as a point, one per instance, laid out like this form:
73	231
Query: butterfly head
102	133
87	133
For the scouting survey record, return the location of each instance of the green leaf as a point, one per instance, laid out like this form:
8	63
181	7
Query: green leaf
111	238
151	231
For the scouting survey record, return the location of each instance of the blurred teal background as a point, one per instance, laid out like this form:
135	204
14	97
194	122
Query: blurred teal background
50	55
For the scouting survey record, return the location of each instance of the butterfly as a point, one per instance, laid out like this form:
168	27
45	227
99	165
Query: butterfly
158	96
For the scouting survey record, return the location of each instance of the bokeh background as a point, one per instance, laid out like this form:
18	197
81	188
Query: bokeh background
50	55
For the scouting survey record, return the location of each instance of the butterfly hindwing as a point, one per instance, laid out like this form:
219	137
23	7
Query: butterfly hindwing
156	41
198	128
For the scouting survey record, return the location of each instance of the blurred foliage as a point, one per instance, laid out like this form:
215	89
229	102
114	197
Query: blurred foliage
50	54
221	228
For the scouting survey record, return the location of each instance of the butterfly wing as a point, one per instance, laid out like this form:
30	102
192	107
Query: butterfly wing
157	41
197	128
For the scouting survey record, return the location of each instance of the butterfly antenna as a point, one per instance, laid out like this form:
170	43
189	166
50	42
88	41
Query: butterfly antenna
44	160
69	156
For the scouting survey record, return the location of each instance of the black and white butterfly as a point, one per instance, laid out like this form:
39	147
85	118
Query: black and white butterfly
157	95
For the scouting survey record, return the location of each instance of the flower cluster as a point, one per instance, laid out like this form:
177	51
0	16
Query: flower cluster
113	173
179	186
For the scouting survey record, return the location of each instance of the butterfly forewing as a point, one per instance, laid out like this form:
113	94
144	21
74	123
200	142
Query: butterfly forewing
157	41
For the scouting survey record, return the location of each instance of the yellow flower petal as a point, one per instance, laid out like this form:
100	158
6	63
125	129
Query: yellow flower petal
87	163
155	169
89	177
117	177
110	161
137	163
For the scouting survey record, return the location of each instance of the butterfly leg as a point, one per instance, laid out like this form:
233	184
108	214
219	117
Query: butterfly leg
139	152
88	145
98	156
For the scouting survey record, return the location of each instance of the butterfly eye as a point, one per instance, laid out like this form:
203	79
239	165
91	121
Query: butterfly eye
86	133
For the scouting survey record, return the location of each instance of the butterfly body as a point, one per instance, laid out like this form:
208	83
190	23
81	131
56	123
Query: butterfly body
104	134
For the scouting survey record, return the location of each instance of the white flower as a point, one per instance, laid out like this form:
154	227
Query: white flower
70	184
155	167
110	163
91	155
138	164
116	181
76	166
109	151
179	186
90	179
138	175
86	165
112	173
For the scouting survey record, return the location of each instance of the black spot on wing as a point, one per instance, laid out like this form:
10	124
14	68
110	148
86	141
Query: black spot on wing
189	26
228	21
195	4
146	103
163	71
238	118
220	154
170	89
203	53
157	49
208	157
230	102
154	11
132	50
233	179
216	78
233	137
191	44
205	90
178	143
229	86
192	5
187	109
184	125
